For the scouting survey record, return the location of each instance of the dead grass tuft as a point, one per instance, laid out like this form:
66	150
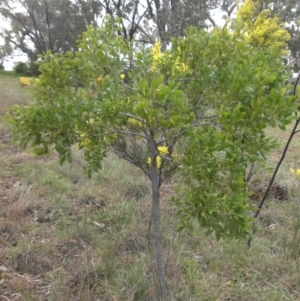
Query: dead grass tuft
132	246
137	192
31	263
173	267
69	247
9	233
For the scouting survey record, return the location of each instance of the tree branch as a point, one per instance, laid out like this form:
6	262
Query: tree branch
134	117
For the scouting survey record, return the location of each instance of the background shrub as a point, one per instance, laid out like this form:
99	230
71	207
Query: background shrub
20	67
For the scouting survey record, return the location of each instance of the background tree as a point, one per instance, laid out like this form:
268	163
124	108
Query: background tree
134	15
89	9
172	17
2	56
145	21
36	26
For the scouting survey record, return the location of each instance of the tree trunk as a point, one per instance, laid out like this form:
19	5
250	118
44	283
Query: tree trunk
156	225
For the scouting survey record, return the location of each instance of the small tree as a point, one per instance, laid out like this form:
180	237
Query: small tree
199	108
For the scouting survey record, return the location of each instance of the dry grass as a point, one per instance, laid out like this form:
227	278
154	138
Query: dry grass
63	237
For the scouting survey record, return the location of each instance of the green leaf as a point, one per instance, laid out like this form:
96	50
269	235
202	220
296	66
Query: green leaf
249	89
157	82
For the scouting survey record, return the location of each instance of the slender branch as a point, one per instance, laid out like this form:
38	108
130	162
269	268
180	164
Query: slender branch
126	133
231	10
143	41
135	25
5	136
212	21
128	87
151	40
198	103
250	174
134	117
207	117
131	160
186	79
150	9
168	173
183	131
294	131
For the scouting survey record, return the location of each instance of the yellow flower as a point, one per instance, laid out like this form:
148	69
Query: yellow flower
99	80
158	162
176	157
85	142
295	172
163	150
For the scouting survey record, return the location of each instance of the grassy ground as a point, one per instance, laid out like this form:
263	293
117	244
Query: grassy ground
64	237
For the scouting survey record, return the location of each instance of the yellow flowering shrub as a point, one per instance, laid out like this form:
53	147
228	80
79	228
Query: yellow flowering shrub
260	28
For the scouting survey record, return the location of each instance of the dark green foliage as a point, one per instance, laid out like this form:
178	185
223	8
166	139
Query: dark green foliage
21	68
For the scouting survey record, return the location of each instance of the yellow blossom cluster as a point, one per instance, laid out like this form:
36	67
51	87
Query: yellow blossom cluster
295	172
156	55
246	13
158	59
163	151
261	29
99	80
86	142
